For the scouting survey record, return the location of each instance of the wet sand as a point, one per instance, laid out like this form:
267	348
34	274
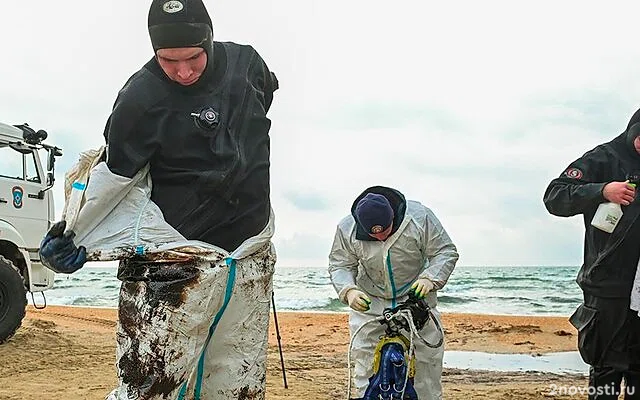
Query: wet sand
69	353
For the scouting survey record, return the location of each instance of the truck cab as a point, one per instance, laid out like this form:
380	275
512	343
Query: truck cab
26	213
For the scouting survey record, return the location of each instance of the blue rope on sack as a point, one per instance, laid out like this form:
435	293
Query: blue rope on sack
231	278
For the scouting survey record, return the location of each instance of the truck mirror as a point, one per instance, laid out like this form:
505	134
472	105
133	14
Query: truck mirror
51	160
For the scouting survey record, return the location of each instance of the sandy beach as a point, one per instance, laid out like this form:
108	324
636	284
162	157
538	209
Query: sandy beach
69	353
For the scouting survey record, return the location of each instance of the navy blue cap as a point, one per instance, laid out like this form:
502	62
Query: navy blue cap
374	213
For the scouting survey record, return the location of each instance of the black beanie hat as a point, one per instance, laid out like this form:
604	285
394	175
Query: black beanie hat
180	23
632	133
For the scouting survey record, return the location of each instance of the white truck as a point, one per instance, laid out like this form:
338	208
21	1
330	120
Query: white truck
26	213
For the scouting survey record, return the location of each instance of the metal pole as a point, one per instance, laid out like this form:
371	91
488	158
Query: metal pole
275	318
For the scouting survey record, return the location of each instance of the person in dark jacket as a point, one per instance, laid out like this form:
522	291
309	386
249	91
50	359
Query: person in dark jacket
196	114
608	330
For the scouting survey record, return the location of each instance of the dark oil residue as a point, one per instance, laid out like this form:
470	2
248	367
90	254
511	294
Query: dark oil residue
152	289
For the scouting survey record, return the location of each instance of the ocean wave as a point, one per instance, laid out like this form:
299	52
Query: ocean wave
563	300
449	300
326	304
83	301
300	284
519	279
512	298
333	305
59	287
455	288
68	278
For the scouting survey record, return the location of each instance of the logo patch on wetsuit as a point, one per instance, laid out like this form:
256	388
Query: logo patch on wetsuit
172	6
574	173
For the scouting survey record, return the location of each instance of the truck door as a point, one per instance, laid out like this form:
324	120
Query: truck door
20	183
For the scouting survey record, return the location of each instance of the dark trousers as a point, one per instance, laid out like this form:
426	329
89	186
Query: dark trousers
605	383
609	341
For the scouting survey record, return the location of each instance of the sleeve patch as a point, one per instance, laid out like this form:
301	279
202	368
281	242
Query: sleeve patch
574	173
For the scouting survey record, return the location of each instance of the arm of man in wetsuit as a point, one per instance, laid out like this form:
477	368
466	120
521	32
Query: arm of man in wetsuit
128	149
127	152
580	187
264	80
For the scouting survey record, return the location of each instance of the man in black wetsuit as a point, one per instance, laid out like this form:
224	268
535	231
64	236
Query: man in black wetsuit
196	114
608	330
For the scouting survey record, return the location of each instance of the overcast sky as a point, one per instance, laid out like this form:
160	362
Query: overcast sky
469	107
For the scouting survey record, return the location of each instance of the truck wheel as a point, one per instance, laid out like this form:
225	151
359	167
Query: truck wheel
13	299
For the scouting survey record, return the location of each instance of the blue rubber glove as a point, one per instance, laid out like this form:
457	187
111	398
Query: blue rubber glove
59	253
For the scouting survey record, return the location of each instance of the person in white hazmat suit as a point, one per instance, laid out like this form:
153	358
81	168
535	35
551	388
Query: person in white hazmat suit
387	247
180	195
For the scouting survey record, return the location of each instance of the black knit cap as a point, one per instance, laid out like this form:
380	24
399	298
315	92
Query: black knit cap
632	133
180	23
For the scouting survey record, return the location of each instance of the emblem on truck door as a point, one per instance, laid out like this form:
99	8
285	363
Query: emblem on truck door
17	194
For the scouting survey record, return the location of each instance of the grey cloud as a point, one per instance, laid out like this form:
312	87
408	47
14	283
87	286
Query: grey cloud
601	111
308	201
520	174
378	115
